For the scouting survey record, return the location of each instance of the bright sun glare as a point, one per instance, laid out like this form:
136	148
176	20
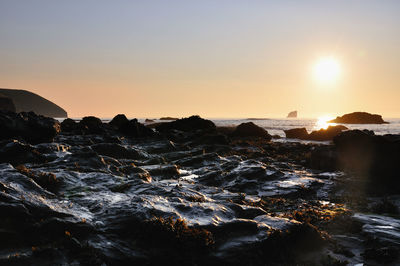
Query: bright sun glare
327	70
322	122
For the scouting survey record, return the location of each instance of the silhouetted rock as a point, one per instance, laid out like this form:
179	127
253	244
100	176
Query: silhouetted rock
296	133
168	118
292	114
26	101
118	121
29	126
250	129
69	125
320	135
359	118
6	104
149	121
135	129
116	151
192	123
374	157
91	125
326	134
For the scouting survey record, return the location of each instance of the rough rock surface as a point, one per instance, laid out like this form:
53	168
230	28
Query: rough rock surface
28	126
317	135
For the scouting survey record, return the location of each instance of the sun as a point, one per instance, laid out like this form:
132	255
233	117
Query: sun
327	70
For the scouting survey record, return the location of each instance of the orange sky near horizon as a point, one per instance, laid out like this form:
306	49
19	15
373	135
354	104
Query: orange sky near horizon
217	61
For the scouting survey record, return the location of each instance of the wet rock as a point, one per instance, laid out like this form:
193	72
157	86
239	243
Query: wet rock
359	118
29	126
250	129
296	133
47	181
15	153
192	123
117	151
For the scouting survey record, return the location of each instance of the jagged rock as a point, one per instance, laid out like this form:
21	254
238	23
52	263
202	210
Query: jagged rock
29	126
250	129
15	153
359	118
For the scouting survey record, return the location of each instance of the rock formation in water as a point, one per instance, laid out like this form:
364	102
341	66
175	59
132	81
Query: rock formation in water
317	135
6	104
292	114
26	101
168	118
359	118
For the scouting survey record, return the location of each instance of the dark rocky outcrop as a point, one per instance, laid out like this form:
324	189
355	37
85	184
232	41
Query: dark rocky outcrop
292	114
69	125
359	118
250	129
91	125
192	123
326	134
296	133
6	104
149	120
28	126
131	128
26	101
319	135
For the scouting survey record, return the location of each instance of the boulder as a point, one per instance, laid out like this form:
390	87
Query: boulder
319	135
118	121
6	104
16	153
296	133
359	118
374	157
68	125
116	151
91	125
192	123
250	129
29	126
135	129
326	134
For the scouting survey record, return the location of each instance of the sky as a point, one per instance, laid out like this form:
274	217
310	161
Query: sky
212	58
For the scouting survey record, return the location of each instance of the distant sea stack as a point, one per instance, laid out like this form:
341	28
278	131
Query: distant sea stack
6	104
26	101
292	114
359	118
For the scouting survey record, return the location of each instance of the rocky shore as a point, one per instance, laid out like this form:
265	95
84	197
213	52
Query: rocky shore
188	193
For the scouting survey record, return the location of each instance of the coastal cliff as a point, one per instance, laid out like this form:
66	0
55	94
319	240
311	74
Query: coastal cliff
26	101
